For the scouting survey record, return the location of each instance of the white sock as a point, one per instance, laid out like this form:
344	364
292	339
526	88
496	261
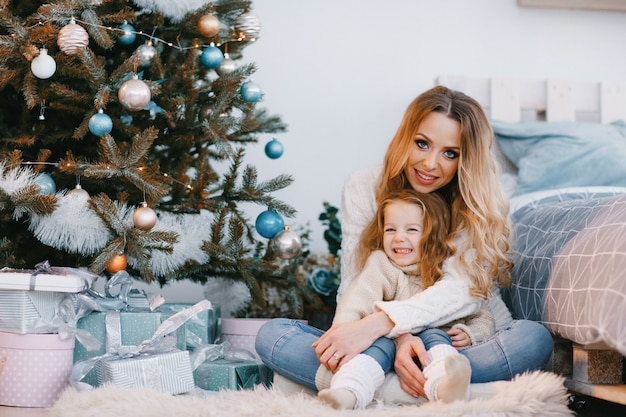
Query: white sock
436	372
361	376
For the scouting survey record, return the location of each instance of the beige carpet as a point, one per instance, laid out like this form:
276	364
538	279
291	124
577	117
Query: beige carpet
538	394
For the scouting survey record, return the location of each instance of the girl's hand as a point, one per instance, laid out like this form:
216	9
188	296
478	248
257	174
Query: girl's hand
344	341
460	339
408	349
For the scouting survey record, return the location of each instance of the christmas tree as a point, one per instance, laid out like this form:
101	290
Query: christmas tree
123	128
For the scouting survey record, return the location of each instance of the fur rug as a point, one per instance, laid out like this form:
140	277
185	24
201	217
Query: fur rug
538	394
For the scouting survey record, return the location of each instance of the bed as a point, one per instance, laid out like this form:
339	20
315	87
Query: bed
561	148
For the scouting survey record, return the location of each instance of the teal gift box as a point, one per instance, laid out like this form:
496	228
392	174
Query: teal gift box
201	329
222	374
114	328
168	372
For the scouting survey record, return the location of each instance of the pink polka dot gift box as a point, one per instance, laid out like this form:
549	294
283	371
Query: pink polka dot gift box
34	368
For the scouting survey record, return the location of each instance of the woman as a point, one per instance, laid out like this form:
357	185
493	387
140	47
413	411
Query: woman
443	145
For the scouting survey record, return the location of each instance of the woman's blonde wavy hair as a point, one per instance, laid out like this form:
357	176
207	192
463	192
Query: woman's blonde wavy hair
479	208
433	242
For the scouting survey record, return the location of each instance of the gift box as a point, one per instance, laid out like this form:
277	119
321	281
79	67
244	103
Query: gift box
223	374
46	278
114	329
200	329
28	311
35	368
240	333
165	372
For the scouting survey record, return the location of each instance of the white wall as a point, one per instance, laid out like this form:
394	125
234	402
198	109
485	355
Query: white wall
341	72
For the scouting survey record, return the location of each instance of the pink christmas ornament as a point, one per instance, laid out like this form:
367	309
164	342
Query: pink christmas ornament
72	38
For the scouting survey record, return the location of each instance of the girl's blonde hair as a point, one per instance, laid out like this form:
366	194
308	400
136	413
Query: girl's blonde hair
433	243
479	208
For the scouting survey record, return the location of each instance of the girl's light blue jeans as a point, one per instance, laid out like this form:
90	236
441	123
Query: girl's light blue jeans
285	346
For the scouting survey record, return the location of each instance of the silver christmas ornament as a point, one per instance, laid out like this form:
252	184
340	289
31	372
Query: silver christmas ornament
134	94
145	53
286	244
227	66
248	26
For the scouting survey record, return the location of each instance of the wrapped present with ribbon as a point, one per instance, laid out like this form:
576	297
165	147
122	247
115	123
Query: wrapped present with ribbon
155	363
30	300
201	329
219	367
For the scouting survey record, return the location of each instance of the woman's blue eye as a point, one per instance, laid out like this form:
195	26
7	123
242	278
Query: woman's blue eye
451	154
422	144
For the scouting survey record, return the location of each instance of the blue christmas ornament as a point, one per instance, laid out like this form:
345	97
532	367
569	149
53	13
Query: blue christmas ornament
129	34
273	149
251	92
46	184
269	224
100	123
211	57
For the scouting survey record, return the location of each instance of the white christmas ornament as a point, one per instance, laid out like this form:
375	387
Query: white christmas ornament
43	66
175	10
144	217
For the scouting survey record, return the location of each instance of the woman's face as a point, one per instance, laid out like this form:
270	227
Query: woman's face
402	231
434	155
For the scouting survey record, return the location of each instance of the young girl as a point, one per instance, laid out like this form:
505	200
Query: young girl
402	252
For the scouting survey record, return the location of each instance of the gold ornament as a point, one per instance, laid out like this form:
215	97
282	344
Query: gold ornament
208	25
72	38
117	263
144	218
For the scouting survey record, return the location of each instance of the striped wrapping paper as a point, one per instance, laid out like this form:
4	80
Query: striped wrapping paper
165	372
28	311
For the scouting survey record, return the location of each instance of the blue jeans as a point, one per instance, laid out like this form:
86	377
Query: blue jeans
284	345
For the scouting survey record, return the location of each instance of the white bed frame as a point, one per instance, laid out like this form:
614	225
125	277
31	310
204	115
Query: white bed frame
586	368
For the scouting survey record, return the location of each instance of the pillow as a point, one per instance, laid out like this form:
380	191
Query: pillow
551	155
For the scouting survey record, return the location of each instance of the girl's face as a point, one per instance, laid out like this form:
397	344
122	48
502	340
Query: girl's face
402	231
434	156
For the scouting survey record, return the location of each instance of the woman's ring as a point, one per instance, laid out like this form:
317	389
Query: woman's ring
337	357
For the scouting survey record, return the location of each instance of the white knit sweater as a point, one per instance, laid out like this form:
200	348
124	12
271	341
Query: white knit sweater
383	280
448	299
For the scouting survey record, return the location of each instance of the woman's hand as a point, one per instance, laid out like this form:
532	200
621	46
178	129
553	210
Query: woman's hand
408	348
460	339
344	341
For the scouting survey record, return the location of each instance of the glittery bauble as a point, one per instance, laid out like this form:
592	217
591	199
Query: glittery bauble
129	34
273	149
72	38
251	92
134	94
144	218
227	66
286	244
100	123
208	25
117	263
211	56
43	66
145	53
269	223
46	184
248	26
